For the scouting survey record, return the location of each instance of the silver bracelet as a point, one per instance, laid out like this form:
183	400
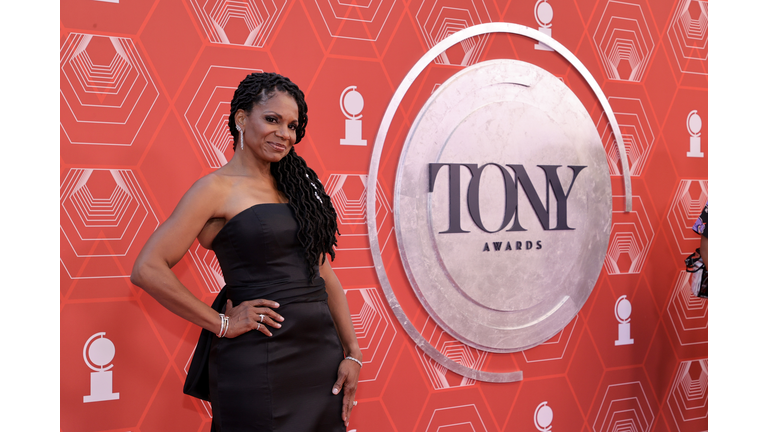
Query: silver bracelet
221	330
354	360
226	325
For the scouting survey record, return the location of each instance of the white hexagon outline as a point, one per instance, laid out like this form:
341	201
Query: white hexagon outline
66	190
474	407
259	31
675	39
620	240
373	300
677	221
475	48
643	133
333	186
682	379
112	210
77	46
340	18
637	72
350	210
681	304
635	398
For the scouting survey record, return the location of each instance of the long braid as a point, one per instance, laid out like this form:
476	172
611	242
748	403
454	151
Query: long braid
311	206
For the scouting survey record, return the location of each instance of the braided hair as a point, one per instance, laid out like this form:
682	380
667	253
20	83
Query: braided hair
307	198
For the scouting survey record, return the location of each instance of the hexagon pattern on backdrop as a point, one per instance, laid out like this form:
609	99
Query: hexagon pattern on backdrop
144	106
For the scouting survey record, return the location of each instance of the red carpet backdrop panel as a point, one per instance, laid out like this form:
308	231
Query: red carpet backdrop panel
145	92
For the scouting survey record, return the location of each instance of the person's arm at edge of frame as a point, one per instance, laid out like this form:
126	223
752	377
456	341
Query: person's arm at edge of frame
349	371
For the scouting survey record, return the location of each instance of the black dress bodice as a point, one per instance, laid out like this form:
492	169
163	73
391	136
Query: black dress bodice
261	257
277	383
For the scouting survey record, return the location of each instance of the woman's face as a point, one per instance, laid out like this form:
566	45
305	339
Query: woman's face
270	128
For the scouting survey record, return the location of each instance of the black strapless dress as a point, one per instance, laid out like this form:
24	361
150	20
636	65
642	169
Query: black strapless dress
280	383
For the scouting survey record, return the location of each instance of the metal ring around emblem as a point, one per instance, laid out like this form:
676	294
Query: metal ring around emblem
374	167
494	290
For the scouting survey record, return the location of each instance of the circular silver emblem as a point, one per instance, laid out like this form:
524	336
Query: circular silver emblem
502	205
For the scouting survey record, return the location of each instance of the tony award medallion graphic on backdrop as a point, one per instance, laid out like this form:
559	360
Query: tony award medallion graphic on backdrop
542	417
693	122
352	102
623	309
543	13
98	352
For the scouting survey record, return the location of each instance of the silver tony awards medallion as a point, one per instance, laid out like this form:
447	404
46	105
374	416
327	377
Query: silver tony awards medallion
503	206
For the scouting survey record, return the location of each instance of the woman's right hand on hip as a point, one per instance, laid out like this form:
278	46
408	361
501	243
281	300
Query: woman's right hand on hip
252	315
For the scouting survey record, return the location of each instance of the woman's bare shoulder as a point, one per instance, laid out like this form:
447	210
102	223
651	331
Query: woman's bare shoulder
214	191
207	192
212	183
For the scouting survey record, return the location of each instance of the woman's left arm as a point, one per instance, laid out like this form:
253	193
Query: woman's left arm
349	370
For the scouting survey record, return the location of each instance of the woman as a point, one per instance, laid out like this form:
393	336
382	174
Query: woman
286	357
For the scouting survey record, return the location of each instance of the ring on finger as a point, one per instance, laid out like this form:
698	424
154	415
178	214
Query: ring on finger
261	318
354	403
258	326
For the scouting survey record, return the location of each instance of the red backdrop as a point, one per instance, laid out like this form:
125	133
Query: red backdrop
145	91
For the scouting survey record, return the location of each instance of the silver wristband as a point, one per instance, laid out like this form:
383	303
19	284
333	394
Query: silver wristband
224	325
221	330
354	360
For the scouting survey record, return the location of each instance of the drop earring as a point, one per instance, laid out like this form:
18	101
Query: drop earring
239	129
